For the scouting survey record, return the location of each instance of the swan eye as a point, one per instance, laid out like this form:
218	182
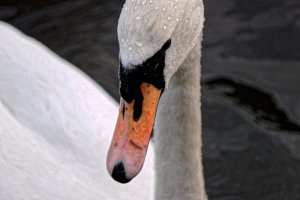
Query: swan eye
150	71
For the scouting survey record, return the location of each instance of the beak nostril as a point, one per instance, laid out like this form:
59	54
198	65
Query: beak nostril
119	173
123	110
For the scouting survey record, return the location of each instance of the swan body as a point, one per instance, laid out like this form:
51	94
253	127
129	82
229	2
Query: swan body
160	68
55	127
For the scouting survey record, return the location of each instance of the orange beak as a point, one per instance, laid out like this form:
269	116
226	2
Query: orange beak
131	137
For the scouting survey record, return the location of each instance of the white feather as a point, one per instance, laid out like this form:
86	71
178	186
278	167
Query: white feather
55	128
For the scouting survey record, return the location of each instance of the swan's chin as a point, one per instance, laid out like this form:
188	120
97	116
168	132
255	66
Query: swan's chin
131	137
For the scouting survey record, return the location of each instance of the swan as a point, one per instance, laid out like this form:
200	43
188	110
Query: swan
55	128
160	62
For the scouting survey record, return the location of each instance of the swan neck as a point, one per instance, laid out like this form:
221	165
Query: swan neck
177	135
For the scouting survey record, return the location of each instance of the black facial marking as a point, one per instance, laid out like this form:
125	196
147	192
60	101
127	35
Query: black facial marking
151	71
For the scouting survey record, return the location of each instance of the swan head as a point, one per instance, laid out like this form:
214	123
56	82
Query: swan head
155	37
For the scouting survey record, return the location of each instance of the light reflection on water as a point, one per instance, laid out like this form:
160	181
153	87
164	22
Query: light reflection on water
251	78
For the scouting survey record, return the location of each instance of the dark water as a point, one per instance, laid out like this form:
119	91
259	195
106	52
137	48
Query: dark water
250	82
